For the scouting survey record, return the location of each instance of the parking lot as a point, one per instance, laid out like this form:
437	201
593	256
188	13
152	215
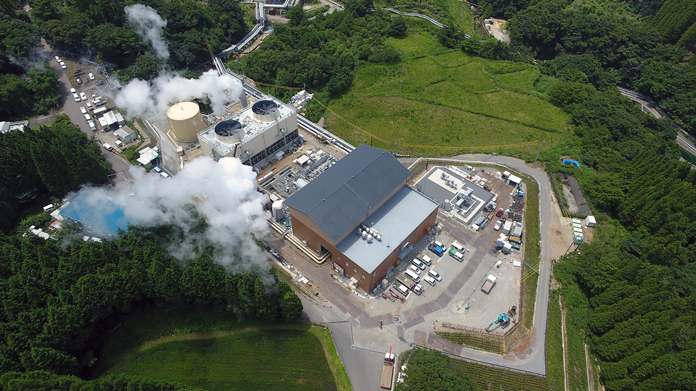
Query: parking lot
461	281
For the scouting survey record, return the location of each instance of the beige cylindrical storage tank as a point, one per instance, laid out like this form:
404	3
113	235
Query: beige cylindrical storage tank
185	120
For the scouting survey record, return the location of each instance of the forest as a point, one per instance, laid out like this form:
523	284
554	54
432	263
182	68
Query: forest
100	31
324	52
45	163
641	45
60	298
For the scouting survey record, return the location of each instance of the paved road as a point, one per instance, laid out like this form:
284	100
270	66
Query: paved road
683	139
364	368
72	110
534	360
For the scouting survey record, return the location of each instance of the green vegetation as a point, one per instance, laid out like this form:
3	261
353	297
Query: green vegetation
444	102
339	372
554	344
532	252
432	371
45	162
481	342
252	356
75	293
487	378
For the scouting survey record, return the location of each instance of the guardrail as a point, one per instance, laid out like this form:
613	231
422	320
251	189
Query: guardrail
426	17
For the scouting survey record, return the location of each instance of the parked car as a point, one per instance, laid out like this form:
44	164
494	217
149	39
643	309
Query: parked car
100	82
77	97
91	76
434	274
83	96
58	59
73	91
83	110
87	117
497	225
92	125
62	65
108	147
274	253
78	80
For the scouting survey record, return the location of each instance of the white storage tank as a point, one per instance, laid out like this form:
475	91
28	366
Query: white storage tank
185	120
277	209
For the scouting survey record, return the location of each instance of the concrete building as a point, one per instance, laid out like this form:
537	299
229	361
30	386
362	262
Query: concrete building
256	134
362	211
125	134
6	126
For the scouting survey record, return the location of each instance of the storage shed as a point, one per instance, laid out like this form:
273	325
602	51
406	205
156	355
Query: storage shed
590	221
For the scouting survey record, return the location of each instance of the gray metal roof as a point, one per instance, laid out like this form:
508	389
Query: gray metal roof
394	220
338	199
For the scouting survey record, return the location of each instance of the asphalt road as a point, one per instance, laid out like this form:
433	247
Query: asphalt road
72	110
534	360
364	367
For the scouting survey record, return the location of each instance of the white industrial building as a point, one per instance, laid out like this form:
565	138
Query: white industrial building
259	132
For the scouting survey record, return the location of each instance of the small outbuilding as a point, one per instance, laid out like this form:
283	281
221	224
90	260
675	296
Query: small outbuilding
590	221
125	134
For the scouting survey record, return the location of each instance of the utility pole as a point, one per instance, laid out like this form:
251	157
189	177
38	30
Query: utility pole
542	144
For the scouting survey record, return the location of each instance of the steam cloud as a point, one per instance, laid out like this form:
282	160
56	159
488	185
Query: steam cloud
223	192
144	99
148	24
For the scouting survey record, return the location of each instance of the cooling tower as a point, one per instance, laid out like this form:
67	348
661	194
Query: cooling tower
185	120
265	110
228	132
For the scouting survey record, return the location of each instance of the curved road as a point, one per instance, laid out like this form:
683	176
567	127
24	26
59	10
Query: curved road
534	359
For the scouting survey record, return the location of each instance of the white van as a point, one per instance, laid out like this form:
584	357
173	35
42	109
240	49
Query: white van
425	259
418	264
108	147
458	247
410	274
458	256
403	290
414	269
439	244
429	280
432	273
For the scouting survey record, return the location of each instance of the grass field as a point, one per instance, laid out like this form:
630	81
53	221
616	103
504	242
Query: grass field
554	344
438	101
213	351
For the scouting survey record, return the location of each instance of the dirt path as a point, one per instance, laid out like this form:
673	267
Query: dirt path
566	380
590	371
562	234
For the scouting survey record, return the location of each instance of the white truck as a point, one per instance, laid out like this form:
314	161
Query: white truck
488	284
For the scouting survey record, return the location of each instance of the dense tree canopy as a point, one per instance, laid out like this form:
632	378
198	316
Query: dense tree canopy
324	51
46	161
59	299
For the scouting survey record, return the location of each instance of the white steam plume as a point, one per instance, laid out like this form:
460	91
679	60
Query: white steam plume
148	24
143	99
225	193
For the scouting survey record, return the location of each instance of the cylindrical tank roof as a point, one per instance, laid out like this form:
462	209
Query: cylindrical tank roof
183	111
185	120
228	131
265	110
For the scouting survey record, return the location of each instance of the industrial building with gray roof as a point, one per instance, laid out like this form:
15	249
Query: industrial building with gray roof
364	190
